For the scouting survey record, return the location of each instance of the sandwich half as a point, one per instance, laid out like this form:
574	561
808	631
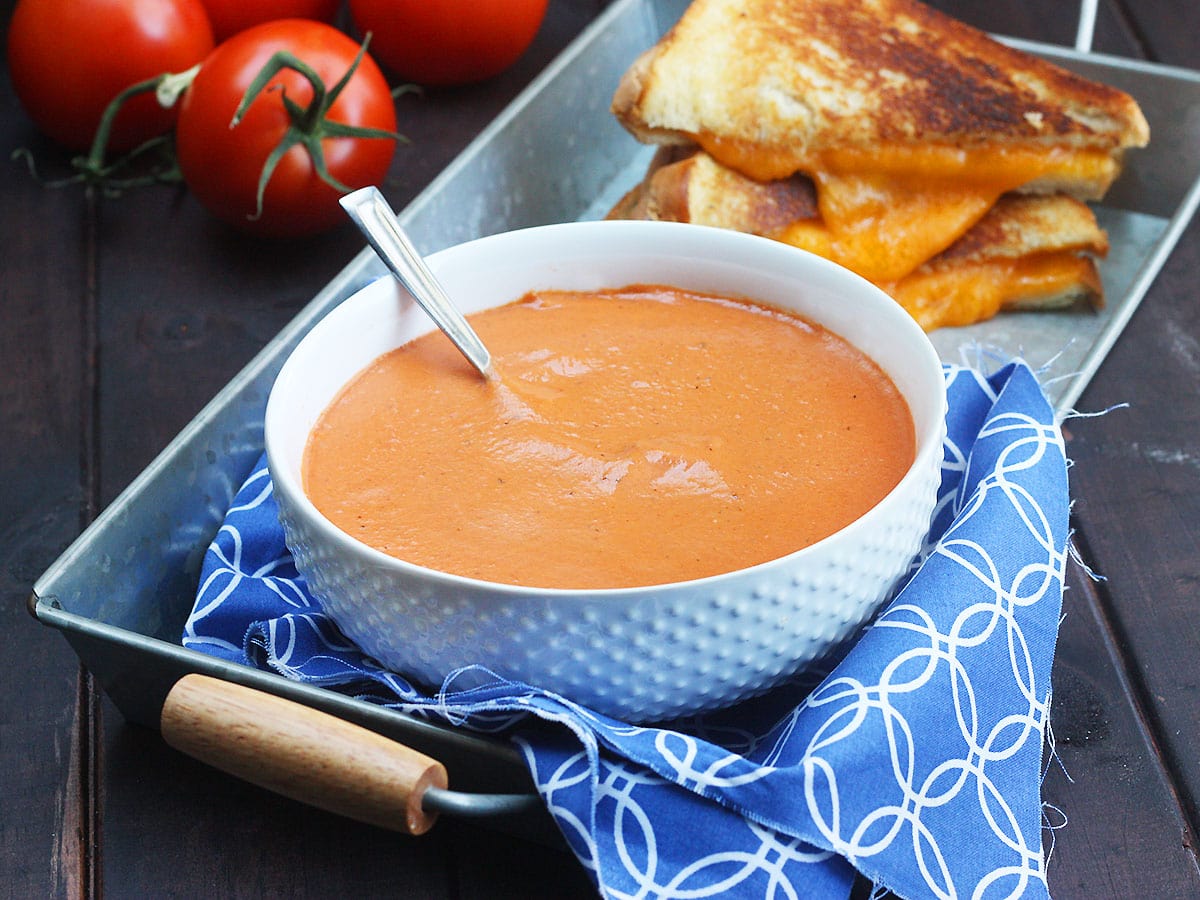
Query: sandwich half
1028	251
909	124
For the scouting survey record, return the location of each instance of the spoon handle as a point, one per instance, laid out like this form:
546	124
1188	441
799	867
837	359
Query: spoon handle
375	217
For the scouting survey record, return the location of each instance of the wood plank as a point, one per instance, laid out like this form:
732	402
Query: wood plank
44	421
1137	473
1055	22
1118	830
185	816
1137	483
1165	30
172	820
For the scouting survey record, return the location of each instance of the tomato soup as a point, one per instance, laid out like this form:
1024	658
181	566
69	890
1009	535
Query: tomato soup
633	436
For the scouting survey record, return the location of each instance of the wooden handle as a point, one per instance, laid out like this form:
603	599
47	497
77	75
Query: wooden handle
301	753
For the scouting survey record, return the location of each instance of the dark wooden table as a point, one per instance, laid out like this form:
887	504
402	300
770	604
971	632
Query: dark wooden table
120	318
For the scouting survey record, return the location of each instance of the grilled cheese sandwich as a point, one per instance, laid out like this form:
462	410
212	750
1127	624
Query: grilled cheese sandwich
910	124
1026	251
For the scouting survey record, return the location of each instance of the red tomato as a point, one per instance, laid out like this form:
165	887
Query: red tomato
70	58
222	165
447	42
228	17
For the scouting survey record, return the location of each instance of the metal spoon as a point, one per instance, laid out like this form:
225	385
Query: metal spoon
375	217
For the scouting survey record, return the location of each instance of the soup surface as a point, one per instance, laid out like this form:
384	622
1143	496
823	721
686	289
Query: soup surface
635	436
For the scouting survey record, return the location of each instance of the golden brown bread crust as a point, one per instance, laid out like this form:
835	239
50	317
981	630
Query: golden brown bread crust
795	77
686	186
1087	291
1020	225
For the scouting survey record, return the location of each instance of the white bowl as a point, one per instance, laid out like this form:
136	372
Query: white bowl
639	654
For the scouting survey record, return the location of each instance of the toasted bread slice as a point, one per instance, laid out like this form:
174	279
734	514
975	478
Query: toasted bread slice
1020	225
773	87
910	123
682	185
1027	251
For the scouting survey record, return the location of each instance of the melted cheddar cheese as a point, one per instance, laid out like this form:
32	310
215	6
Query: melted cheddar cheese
887	210
885	226
981	165
967	293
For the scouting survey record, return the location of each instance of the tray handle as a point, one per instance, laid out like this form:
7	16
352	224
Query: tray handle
1086	27
301	753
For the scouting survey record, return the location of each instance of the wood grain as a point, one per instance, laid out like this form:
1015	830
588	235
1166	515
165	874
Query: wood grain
301	753
120	318
45	429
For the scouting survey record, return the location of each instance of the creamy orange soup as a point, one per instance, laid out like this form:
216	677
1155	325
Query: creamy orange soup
635	436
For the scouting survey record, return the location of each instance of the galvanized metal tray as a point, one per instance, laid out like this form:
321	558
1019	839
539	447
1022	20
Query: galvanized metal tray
121	592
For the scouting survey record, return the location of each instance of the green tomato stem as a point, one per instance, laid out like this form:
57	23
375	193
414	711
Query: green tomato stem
92	170
309	125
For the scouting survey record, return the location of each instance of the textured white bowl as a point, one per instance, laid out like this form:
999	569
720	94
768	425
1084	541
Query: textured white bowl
639	654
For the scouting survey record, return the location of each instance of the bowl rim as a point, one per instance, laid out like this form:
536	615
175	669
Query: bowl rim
929	443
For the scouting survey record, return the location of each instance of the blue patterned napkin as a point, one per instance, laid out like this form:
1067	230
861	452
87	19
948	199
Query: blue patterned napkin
916	761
